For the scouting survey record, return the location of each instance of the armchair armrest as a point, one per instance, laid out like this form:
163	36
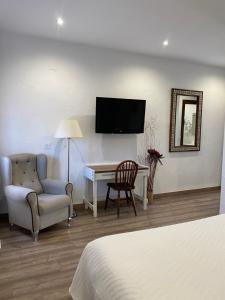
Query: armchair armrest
17	193
57	187
21	200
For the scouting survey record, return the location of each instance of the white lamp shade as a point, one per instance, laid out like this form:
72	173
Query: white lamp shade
68	129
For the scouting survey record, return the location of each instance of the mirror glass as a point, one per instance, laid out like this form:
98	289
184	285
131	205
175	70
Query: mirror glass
185	120
186	112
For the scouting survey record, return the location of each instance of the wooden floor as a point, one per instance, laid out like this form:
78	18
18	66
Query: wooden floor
45	270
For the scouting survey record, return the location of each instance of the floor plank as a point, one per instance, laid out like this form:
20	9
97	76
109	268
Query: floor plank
44	270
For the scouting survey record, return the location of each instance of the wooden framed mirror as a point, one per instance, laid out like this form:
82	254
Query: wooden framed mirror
185	120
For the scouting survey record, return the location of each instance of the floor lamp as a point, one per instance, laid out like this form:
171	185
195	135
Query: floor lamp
68	129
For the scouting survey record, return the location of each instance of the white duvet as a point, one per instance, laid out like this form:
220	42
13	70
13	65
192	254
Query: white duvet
178	262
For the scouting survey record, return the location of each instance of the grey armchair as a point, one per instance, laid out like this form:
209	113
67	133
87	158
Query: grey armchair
34	202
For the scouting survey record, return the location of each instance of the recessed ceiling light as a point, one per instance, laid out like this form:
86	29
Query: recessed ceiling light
166	43
60	21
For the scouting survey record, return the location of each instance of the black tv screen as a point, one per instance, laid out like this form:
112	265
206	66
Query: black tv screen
119	115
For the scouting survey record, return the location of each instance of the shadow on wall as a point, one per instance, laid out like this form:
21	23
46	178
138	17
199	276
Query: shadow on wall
3	203
92	148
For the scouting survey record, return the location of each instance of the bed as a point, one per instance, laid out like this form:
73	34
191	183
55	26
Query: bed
178	262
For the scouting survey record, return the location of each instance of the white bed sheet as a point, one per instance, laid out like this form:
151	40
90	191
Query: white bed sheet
184	261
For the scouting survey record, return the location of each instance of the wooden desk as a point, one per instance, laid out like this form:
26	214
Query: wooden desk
94	173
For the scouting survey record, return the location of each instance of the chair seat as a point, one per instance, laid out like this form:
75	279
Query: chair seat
48	203
120	186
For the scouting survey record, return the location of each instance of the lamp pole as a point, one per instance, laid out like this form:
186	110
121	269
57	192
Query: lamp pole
68	162
68	169
68	129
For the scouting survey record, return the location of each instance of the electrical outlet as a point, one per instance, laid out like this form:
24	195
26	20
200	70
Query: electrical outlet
48	146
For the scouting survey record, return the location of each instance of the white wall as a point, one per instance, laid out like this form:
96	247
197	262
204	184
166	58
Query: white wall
43	81
222	196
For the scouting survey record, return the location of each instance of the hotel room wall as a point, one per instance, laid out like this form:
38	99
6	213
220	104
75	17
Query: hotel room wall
222	196
43	81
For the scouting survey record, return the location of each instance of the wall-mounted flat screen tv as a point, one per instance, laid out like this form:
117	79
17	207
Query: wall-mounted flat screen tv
115	115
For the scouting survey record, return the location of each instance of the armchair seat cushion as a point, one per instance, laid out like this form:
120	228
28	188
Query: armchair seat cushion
49	203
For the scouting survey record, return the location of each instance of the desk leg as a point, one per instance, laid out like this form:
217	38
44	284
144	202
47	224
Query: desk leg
86	194
145	199
95	203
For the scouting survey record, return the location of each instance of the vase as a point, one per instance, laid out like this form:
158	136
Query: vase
150	197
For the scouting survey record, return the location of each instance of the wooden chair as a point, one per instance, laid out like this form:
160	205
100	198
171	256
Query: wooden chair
125	176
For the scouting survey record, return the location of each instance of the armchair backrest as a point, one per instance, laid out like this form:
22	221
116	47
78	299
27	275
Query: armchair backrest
25	170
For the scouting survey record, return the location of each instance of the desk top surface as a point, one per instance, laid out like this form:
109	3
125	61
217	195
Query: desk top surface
104	168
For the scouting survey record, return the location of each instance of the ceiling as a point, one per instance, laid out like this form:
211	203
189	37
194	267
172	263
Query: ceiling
195	28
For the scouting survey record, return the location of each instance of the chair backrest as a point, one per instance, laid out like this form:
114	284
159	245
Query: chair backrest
24	171
126	173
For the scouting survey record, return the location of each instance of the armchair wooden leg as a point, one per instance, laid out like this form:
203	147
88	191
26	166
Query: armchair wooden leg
133	203
107	198
118	204
11	226
35	236
69	222
74	215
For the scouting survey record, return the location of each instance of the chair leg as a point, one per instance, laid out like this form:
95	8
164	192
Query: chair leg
107	198
133	203
35	236
118	204
11	226
127	198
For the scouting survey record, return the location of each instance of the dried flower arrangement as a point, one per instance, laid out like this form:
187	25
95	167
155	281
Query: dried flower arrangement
153	158
150	156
